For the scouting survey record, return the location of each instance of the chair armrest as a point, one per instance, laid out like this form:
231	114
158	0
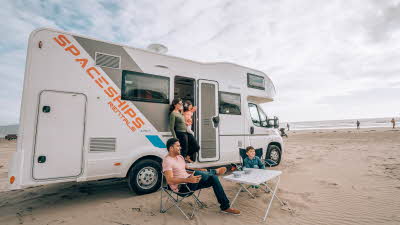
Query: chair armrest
269	162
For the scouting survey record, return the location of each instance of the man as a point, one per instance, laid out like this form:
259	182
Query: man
174	168
393	122
358	124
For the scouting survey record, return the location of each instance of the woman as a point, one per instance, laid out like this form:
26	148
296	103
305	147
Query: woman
177	127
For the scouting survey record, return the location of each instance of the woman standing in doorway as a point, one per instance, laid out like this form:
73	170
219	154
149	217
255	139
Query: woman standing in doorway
177	126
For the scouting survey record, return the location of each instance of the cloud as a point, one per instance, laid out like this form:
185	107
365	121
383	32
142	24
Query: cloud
312	50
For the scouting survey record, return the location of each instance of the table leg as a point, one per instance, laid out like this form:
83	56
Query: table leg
276	196
237	194
272	198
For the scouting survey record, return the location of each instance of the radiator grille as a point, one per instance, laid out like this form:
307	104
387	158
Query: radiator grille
102	144
106	60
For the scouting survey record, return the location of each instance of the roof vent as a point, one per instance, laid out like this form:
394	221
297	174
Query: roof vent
109	61
158	48
102	144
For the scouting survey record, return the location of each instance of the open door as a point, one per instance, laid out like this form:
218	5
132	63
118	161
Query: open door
59	135
208	133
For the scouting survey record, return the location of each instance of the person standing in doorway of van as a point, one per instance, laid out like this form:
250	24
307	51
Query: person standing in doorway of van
358	124
177	126
393	122
188	110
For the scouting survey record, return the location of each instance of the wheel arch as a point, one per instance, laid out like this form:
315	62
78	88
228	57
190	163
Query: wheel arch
275	143
151	157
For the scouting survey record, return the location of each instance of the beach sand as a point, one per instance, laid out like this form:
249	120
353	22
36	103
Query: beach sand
329	177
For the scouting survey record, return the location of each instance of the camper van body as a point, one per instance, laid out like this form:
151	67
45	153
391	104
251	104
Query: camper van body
95	110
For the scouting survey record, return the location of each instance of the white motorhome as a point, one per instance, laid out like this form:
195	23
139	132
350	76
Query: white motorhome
95	110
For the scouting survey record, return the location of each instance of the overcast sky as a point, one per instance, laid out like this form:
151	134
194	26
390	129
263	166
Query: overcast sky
327	59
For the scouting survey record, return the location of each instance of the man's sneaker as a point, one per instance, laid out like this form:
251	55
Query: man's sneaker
231	211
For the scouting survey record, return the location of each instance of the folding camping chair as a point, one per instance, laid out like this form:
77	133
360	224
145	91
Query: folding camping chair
176	198
267	163
259	154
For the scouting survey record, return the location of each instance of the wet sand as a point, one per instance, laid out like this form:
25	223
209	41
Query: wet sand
329	177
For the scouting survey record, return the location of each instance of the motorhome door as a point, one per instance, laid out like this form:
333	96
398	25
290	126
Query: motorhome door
59	135
208	134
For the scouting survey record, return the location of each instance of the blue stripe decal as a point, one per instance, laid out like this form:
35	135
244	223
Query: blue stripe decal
156	141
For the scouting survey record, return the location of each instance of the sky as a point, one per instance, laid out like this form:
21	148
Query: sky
328	60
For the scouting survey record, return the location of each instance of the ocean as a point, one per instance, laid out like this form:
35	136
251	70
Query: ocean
341	124
306	125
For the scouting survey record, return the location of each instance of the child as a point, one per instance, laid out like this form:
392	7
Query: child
188	110
252	161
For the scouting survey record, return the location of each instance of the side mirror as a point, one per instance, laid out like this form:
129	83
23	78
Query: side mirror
276	122
269	123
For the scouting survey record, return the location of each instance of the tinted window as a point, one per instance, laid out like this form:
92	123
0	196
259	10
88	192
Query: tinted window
229	103
255	117
144	87
255	81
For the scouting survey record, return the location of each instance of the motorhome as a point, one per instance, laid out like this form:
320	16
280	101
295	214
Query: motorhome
96	110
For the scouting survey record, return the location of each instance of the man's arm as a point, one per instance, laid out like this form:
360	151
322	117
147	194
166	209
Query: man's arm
169	176
198	169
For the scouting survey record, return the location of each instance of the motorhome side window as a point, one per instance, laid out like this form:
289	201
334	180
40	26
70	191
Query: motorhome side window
229	103
255	81
144	87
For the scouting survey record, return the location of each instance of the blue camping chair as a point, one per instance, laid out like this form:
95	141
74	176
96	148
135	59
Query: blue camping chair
259	153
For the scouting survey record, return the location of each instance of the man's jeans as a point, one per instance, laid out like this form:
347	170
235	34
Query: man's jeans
209	179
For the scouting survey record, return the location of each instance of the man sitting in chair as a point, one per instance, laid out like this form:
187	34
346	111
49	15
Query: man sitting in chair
174	168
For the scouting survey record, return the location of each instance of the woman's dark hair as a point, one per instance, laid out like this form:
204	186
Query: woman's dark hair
186	105
174	102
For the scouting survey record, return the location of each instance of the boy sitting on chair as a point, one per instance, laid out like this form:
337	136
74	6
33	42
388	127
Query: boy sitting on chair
174	168
252	161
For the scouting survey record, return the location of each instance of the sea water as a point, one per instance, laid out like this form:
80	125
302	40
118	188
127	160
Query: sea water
341	124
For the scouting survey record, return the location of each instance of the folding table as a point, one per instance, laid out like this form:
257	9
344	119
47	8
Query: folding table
257	177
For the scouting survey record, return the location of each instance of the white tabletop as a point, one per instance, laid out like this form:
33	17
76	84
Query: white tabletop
256	176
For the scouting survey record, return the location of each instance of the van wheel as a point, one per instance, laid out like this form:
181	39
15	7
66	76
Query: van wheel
274	153
145	177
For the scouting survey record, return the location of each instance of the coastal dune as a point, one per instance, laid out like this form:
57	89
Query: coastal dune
329	177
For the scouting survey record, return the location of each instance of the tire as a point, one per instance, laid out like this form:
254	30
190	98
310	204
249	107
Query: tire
145	177
274	153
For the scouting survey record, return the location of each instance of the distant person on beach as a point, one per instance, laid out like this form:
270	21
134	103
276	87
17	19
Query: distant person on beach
358	124
393	121
288	126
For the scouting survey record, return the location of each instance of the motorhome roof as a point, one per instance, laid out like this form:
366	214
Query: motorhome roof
144	50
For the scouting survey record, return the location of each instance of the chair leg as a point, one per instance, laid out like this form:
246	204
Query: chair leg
199	203
177	203
251	195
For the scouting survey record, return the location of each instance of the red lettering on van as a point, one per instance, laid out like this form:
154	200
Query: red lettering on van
62	40
104	84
